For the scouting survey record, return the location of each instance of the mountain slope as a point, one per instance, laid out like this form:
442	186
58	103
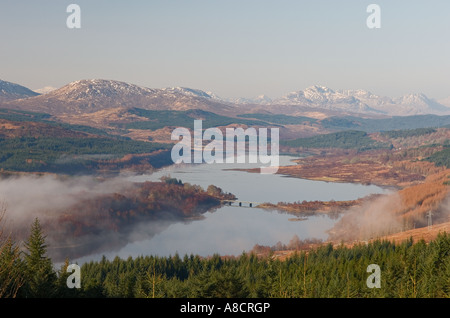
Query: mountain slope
360	101
11	91
326	98
445	101
88	96
416	104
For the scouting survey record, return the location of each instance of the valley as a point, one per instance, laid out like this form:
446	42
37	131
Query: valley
96	144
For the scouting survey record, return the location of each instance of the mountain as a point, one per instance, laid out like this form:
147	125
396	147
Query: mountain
45	90
445	101
190	92
325	98
89	96
10	91
407	105
418	104
94	95
364	102
259	100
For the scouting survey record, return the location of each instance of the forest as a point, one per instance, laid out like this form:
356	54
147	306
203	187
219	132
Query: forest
158	119
33	142
280	118
408	270
441	158
409	132
350	139
66	154
385	124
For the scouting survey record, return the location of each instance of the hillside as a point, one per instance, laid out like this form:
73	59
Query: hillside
32	142
147	113
11	91
427	233
349	139
88	96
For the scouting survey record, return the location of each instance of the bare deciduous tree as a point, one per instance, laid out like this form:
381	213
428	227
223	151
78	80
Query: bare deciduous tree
11	277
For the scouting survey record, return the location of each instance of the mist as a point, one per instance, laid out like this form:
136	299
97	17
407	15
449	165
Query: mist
386	215
374	218
28	197
86	215
50	198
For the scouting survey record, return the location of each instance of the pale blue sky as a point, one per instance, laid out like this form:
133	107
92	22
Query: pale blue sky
235	48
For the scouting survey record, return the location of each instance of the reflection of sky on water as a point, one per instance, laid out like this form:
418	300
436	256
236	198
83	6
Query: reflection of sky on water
231	230
263	187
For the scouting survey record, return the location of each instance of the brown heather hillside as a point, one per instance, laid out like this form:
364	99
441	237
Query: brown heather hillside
400	211
14	129
383	167
418	188
439	136
429	196
425	233
104	118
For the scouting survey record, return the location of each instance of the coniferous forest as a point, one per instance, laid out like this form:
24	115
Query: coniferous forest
408	270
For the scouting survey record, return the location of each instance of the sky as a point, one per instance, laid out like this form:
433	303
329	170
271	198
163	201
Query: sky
234	48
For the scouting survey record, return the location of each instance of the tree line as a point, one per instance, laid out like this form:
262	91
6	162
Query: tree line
53	154
26	272
350	139
407	270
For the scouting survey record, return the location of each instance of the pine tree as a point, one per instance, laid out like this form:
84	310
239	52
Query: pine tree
62	291
40	276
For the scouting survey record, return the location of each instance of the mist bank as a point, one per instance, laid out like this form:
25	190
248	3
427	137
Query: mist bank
85	215
399	211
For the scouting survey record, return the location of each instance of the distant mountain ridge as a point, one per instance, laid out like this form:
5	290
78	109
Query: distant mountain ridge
88	96
361	101
356	101
91	95
11	91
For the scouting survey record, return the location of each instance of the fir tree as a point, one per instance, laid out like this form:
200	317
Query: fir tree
62	291
40	276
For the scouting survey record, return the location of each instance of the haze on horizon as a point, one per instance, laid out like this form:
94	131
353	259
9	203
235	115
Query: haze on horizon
232	48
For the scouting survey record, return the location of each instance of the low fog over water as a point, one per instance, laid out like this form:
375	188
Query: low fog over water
227	230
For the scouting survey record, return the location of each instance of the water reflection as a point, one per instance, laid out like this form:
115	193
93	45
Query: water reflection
232	230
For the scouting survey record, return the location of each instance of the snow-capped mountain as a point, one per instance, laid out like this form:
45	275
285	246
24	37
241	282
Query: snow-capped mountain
45	90
417	104
361	101
190	92
87	96
445	101
11	91
99	88
260	100
326	98
411	104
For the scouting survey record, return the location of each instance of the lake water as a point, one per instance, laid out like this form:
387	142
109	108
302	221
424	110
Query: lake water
231	230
